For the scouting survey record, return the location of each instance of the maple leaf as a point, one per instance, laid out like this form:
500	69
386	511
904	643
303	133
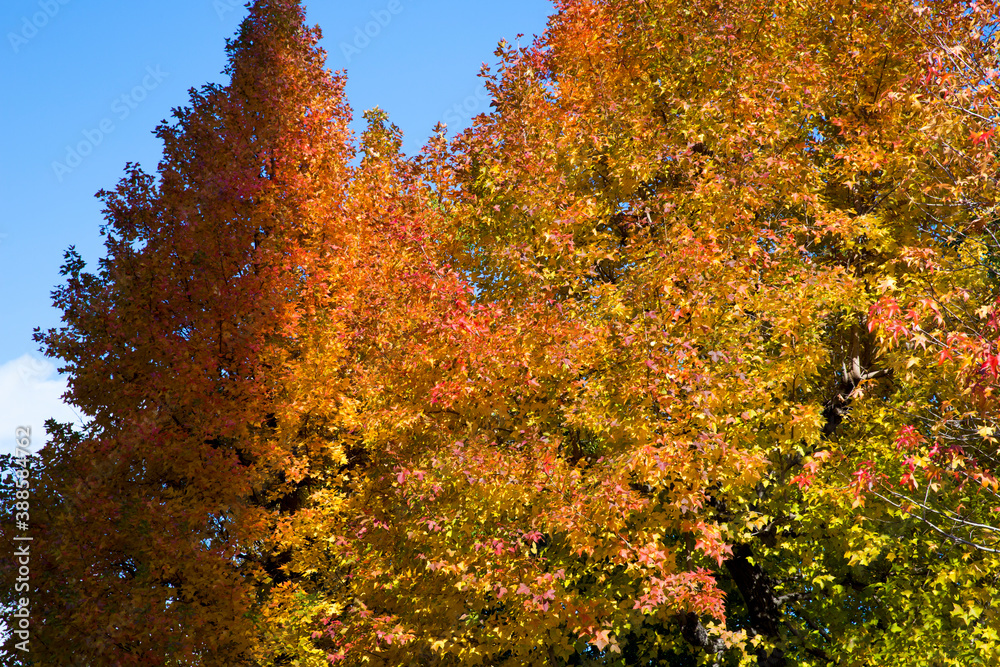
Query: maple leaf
601	639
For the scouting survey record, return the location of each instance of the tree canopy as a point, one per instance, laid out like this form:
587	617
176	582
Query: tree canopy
687	352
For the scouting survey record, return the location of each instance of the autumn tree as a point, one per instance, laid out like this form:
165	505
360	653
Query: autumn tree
726	385
781	219
147	525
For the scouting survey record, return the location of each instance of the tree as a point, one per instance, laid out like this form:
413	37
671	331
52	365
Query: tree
740	184
146	522
685	353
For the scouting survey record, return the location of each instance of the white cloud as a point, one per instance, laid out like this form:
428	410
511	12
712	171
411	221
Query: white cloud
30	391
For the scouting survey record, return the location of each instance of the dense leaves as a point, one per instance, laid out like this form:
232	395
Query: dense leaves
686	353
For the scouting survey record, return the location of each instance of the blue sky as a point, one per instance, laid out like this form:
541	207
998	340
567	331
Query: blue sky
87	81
